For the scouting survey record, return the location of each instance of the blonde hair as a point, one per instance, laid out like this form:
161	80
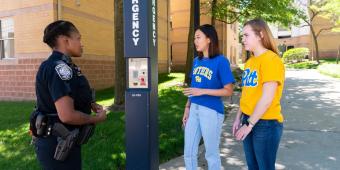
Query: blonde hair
259	26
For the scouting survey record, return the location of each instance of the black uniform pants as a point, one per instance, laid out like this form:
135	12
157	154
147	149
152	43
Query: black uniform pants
45	148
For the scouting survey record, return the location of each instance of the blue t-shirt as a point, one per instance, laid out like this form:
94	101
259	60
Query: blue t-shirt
212	73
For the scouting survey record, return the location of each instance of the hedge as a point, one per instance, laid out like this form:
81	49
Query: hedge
295	55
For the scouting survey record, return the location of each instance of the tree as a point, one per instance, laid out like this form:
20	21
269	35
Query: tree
337	57
327	9
119	58
275	11
190	47
213	9
230	11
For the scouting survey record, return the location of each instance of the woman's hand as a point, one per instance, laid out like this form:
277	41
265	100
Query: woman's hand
185	116
242	133
236	125
193	91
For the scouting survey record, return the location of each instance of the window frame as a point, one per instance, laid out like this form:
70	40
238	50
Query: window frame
2	41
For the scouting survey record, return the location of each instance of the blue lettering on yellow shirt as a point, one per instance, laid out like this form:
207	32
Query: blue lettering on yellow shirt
249	78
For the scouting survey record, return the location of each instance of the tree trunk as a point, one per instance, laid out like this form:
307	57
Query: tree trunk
120	82
213	10
317	56
190	48
337	57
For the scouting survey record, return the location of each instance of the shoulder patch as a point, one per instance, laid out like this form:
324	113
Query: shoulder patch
64	71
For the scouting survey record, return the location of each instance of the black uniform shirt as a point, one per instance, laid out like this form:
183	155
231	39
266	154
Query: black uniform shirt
58	77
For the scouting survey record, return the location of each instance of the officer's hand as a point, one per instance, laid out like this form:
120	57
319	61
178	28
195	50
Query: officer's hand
101	116
96	107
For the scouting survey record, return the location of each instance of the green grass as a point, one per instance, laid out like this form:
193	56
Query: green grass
326	66
303	65
332	60
241	66
15	149
106	149
332	70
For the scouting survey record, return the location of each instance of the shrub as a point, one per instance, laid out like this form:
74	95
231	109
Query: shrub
237	73
295	55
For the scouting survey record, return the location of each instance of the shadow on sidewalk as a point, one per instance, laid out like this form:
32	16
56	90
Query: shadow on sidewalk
311	107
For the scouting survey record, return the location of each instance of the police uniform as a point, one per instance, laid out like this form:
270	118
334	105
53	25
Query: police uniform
58	76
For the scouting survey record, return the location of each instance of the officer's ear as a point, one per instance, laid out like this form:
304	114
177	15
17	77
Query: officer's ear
66	39
62	40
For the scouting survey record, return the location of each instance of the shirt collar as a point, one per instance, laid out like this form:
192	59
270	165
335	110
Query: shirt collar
56	55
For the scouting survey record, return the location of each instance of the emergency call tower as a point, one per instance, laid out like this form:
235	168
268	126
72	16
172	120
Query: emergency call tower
141	94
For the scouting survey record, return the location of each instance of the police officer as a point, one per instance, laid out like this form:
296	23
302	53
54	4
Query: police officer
61	88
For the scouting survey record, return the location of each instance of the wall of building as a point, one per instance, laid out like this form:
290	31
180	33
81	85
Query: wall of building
95	21
17	75
328	41
180	19
232	43
179	14
163	36
299	41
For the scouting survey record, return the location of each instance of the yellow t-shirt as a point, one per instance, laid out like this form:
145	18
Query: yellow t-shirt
258	70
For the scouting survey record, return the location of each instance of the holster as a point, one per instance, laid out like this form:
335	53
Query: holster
43	125
86	131
66	140
40	125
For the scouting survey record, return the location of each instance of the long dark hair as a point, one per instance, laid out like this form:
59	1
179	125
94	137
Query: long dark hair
210	32
57	28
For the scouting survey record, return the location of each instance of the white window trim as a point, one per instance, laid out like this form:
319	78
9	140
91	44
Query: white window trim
10	38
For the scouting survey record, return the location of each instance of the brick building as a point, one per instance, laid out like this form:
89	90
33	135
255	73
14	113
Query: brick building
22	49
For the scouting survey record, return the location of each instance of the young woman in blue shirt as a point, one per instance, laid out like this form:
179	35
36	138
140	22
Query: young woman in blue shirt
211	78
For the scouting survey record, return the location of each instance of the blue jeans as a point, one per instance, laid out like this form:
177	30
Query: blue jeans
205	122
261	144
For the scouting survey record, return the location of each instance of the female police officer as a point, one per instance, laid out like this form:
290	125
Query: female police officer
61	88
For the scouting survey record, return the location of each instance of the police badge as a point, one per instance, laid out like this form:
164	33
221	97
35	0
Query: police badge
64	71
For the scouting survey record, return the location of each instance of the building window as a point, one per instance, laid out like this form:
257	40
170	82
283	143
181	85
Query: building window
6	38
284	36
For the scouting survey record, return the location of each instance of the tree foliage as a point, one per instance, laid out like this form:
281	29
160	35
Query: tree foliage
326	9
274	11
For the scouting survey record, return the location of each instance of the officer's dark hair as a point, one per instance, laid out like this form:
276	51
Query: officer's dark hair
210	32
57	28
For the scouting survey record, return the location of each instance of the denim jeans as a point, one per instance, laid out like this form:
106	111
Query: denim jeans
205	122
261	144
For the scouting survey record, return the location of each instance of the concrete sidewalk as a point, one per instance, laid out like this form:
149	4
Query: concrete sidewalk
311	137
